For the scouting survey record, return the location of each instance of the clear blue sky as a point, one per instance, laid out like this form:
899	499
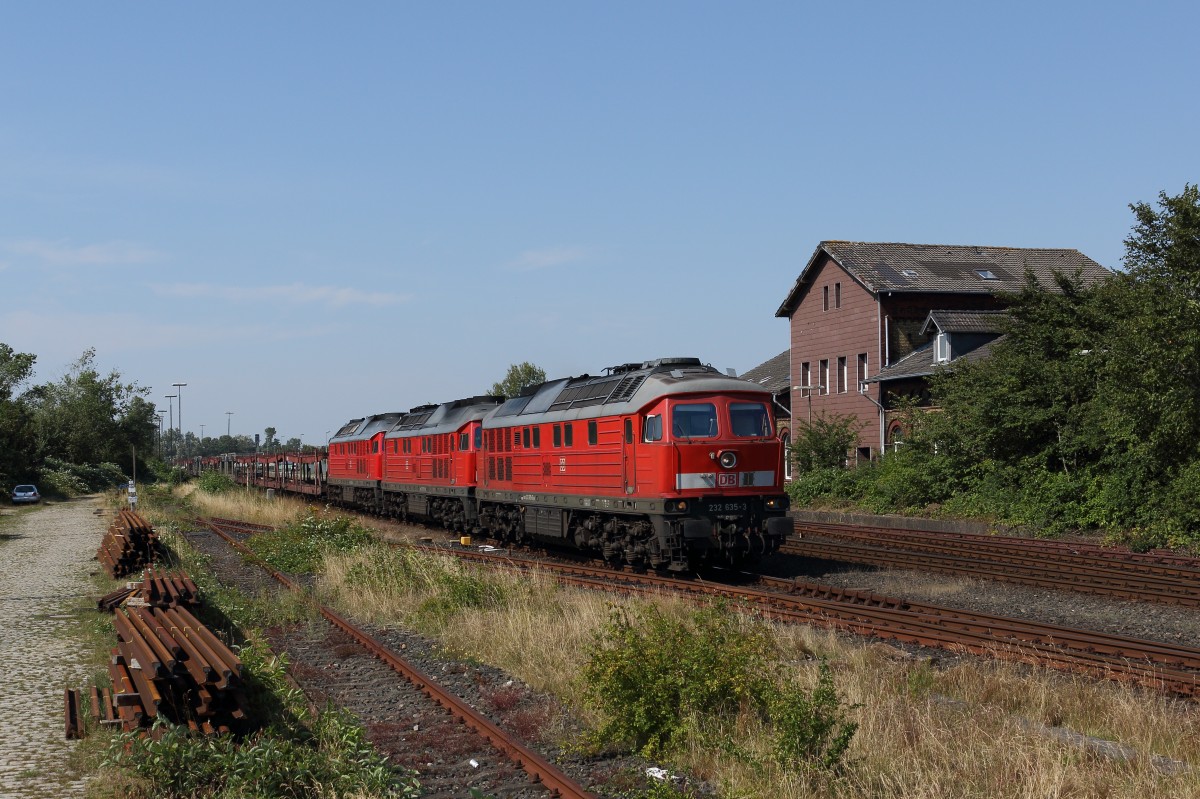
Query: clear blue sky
314	211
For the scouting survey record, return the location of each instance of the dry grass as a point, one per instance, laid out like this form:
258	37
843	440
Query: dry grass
245	504
977	728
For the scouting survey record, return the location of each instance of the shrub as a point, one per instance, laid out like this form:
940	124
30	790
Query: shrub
811	730
215	483
649	673
299	547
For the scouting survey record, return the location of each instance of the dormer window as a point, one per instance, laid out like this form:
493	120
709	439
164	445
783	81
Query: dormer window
986	274
942	348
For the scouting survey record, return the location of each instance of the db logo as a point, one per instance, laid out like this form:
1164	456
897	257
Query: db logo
727	479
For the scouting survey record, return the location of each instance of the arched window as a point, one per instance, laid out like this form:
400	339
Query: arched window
786	438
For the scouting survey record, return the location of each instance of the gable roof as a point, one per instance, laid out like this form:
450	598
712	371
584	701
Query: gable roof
945	268
773	375
965	321
920	363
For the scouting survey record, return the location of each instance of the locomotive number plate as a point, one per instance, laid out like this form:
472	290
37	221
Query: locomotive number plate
726	507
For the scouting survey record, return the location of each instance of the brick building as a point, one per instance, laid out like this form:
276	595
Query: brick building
857	310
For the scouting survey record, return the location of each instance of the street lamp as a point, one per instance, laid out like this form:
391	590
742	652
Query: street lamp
170	409
201	432
180	394
228	414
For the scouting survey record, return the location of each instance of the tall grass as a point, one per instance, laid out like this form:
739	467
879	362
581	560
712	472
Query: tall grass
974	728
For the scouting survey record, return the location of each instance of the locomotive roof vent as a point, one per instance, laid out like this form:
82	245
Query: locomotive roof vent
673	363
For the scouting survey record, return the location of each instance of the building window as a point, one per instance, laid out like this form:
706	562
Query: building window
825	298
862	373
842	375
823	388
943	348
805	379
837	295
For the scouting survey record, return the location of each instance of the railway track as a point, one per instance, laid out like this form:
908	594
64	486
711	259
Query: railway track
1160	666
1086	568
540	770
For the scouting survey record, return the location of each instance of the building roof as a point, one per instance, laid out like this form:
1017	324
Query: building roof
945	268
773	375
966	321
920	362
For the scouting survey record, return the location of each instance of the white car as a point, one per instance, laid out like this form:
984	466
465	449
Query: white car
25	493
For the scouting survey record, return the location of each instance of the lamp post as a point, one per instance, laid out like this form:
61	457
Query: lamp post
228	414
201	432
180	394
170	410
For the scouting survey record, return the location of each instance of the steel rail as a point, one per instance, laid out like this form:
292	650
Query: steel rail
1151	663
539	769
1025	570
1075	552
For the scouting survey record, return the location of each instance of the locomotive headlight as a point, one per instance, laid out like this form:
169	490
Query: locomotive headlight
728	460
677	506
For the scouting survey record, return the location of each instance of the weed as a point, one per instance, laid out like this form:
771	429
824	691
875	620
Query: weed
811	730
300	546
648	672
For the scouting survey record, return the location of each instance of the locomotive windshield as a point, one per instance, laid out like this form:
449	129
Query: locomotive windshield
694	420
750	419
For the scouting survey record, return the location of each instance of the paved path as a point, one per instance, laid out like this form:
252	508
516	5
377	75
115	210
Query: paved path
45	558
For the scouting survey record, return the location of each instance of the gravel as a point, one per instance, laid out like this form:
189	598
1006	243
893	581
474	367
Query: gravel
46	554
1147	620
405	724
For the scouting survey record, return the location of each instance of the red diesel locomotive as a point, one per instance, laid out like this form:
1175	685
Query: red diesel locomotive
667	463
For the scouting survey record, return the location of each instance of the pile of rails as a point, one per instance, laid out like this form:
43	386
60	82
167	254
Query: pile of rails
129	546
166	664
157	588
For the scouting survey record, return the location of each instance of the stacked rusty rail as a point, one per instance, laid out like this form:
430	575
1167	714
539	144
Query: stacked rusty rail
167	663
157	588
129	546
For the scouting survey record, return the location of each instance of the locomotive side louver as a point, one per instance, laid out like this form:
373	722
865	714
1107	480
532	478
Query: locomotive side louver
626	389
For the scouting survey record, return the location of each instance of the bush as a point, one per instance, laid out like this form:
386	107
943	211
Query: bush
649	674
72	479
299	547
811	730
215	483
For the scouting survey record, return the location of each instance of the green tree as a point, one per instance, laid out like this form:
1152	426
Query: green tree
824	442
17	450
90	418
519	376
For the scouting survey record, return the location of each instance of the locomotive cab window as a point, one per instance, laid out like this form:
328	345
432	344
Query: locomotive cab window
750	419
628	431
694	420
652	430
478	437
464	442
